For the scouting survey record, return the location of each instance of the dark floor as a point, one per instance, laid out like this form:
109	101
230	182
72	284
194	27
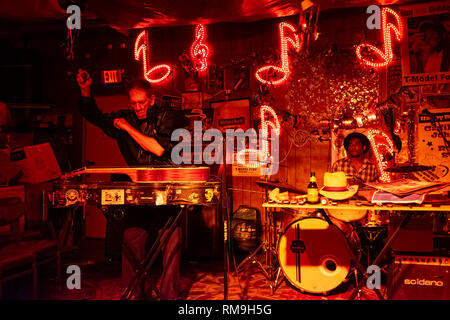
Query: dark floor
202	279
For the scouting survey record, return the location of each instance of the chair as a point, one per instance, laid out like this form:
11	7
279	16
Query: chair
16	265
26	245
13	264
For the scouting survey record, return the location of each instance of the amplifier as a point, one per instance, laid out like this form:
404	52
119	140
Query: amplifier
67	194
419	278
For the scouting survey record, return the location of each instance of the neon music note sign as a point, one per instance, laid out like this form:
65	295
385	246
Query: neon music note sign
199	50
263	74
262	156
141	47
387	56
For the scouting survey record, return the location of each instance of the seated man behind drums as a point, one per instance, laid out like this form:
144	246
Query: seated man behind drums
357	166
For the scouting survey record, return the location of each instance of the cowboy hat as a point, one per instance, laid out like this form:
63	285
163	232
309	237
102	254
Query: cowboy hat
335	186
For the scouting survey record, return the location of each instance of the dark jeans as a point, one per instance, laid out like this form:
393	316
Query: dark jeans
142	226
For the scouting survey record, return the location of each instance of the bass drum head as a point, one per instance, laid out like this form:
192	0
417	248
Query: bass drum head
314	255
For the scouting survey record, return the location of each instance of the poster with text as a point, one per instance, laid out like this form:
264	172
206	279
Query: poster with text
433	147
425	45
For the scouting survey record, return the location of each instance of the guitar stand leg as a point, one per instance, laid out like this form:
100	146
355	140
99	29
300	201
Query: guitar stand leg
140	269
160	241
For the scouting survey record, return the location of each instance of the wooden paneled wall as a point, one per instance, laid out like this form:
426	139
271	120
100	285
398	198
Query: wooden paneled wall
295	170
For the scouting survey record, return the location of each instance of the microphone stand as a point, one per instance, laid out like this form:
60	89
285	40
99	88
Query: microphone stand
225	211
226	221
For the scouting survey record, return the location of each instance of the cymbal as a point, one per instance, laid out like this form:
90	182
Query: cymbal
402	168
282	186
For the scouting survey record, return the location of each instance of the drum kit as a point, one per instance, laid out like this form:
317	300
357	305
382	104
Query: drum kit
315	251
318	251
328	251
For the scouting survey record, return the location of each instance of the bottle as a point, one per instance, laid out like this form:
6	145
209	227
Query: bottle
313	191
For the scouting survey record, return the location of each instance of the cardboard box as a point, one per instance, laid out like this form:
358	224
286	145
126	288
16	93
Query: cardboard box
38	163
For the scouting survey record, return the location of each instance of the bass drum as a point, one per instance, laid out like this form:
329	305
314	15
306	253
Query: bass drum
314	255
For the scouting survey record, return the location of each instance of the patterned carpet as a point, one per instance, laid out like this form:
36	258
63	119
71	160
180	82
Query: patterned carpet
201	279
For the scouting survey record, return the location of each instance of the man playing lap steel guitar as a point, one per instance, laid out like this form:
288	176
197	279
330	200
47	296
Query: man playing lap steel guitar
143	135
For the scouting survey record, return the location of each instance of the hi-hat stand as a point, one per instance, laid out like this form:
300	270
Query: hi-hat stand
268	247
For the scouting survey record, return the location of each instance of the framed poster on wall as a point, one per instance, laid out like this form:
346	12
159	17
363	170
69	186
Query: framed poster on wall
425	48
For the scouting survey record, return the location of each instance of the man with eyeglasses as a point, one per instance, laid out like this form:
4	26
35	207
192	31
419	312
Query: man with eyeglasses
143	134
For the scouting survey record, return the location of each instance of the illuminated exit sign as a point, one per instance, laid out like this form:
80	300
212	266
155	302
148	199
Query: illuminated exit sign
112	76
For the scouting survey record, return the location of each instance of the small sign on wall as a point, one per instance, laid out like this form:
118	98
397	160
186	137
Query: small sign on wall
112	76
239	170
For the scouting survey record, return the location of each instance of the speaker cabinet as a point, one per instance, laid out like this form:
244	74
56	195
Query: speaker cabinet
419	278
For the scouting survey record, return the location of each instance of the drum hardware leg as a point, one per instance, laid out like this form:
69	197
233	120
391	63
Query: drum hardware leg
269	250
267	246
381	255
371	236
359	283
251	257
359	267
356	284
278	280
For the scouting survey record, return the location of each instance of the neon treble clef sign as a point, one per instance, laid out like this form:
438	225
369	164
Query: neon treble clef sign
384	57
141	48
199	50
265	73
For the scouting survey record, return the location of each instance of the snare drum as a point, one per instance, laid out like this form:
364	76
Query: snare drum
314	255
